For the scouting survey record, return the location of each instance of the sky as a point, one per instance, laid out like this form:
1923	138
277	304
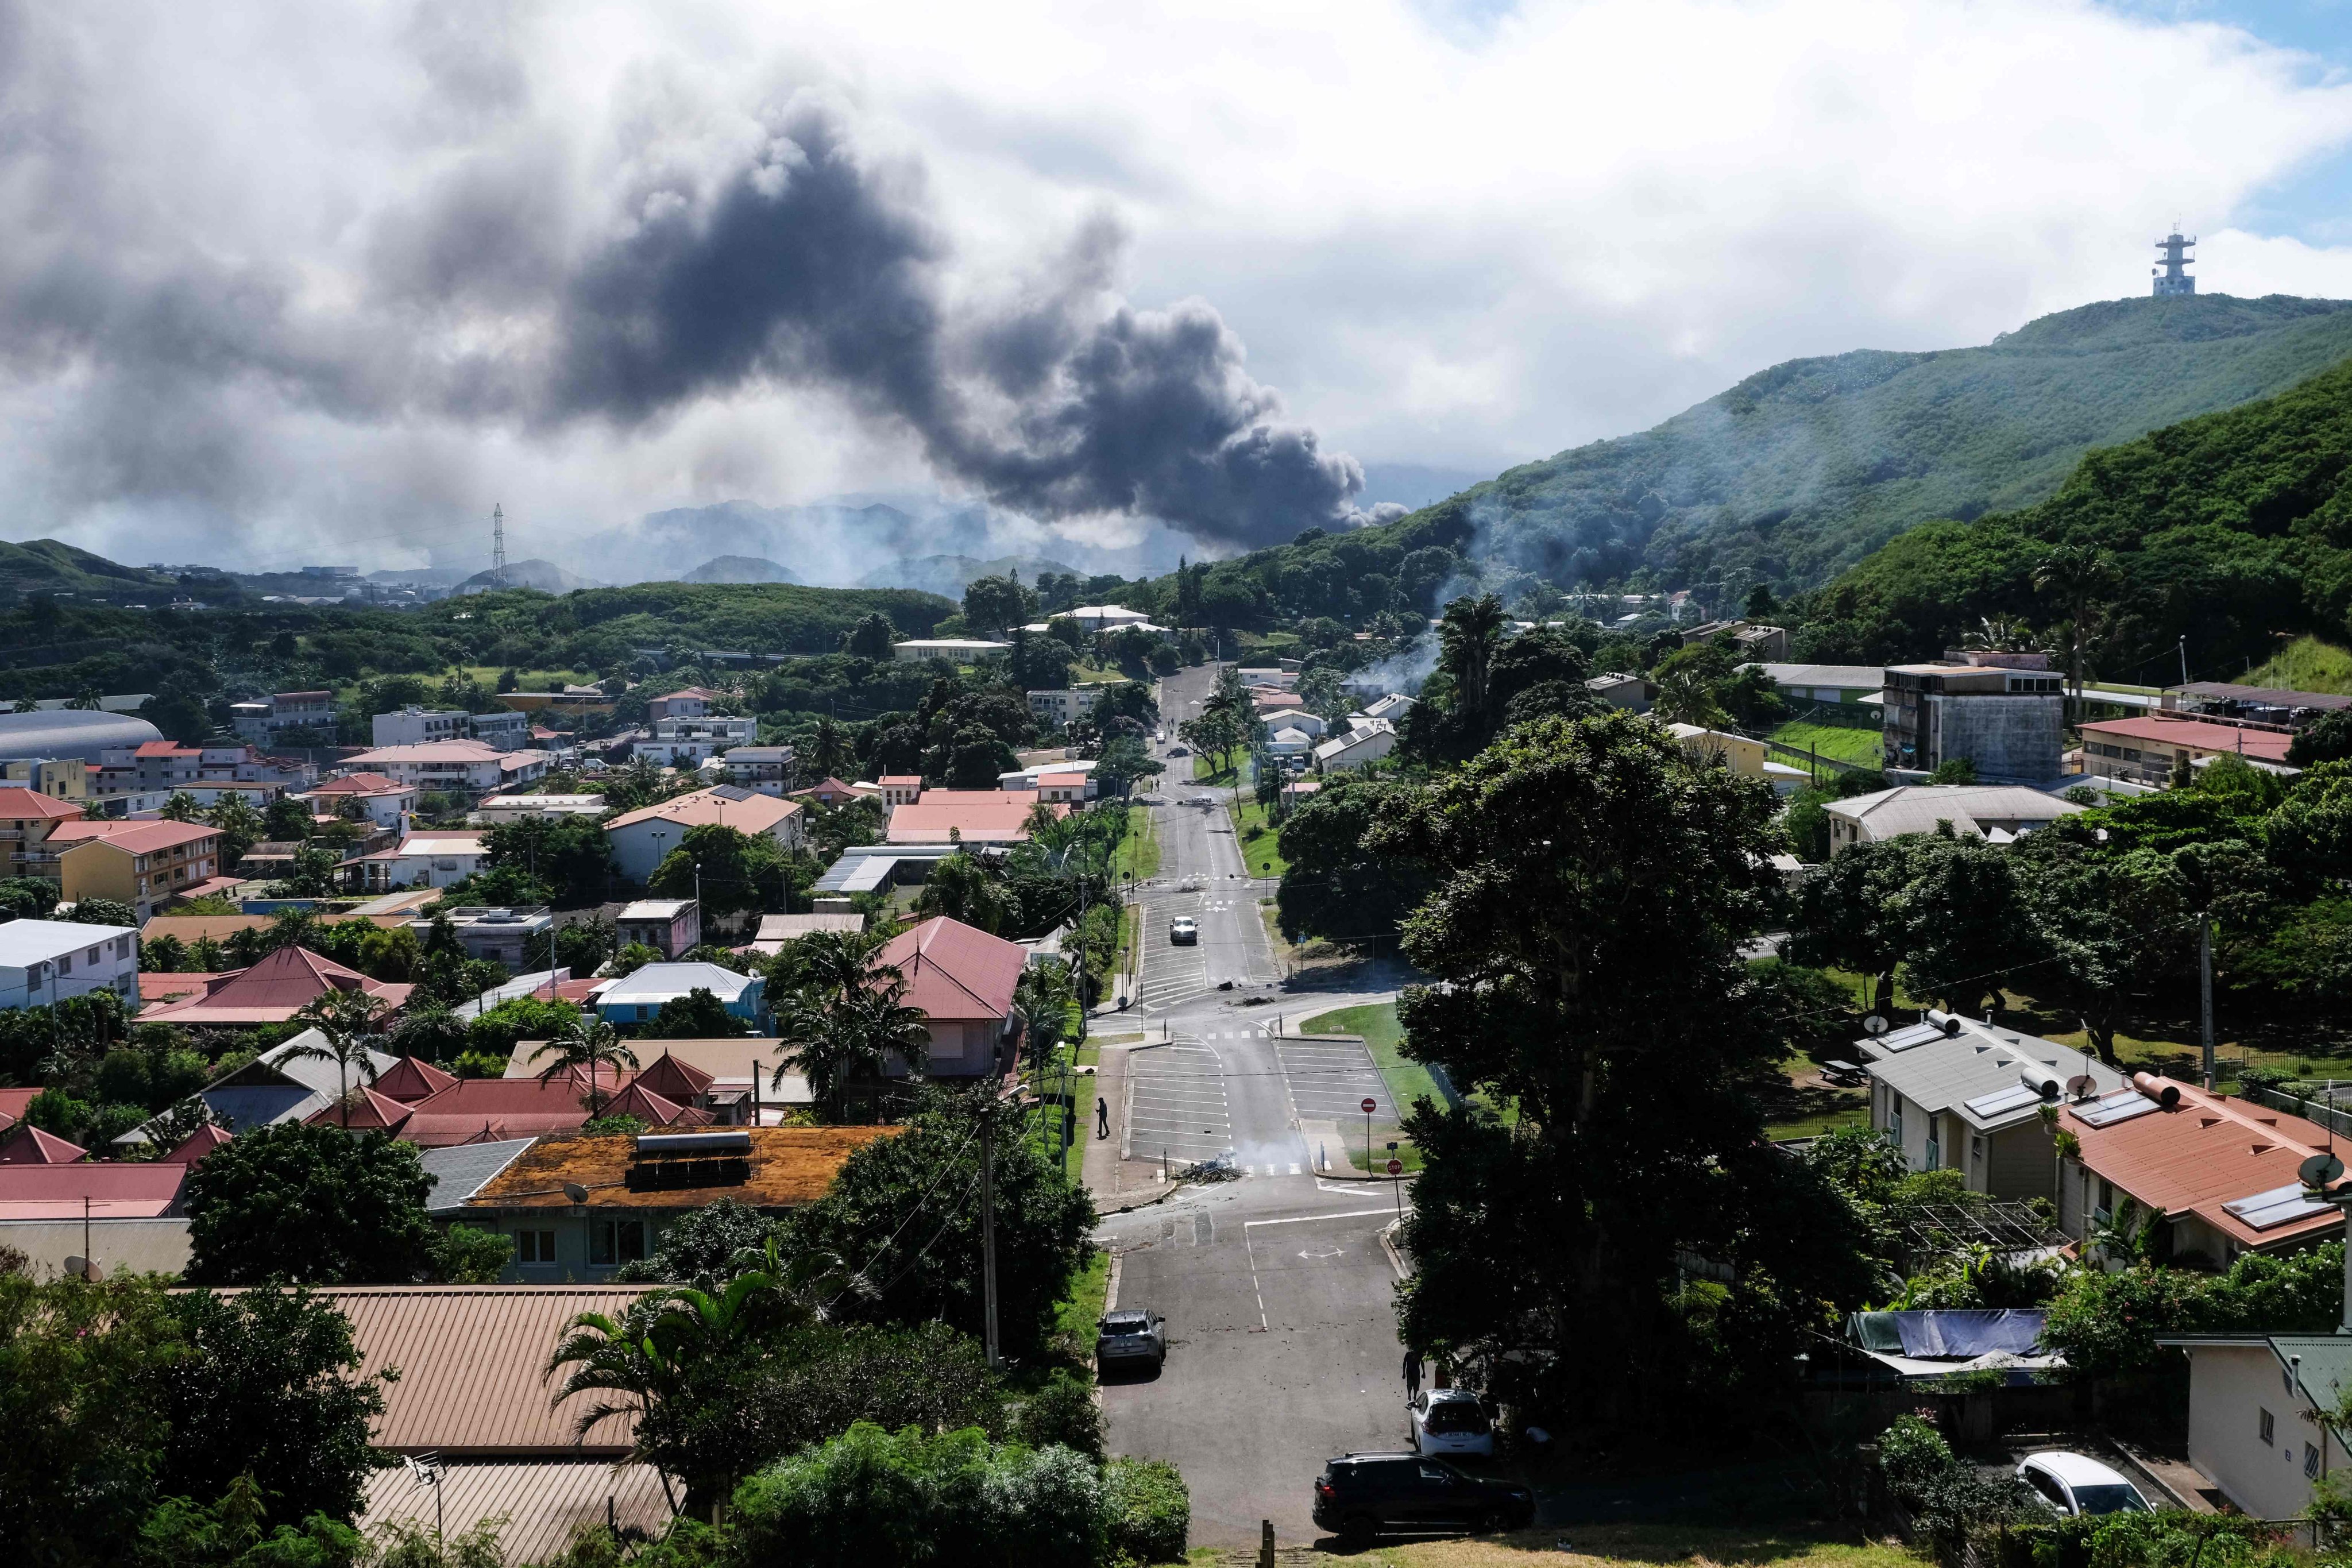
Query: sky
289	283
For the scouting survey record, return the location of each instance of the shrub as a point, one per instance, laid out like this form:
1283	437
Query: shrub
1148	1509
1062	1412
871	1498
1913	1454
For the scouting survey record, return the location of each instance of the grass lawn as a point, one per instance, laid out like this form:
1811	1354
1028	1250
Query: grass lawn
1254	830
2306	664
1205	772
528	680
1138	852
1860	747
1692	1546
1123	960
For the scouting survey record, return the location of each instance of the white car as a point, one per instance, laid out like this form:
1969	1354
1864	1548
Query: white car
1182	932
2076	1484
1450	1421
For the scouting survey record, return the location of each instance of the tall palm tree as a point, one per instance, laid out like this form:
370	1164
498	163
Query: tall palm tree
592	1045
846	1017
1466	640
345	1021
2076	575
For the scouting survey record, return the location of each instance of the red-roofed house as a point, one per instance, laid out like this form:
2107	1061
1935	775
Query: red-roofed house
972	816
197	1144
831	792
641	838
142	864
487	1110
2220	1175
366	1111
962	979
26	818
28	1145
383	800
97	1190
272	992
11	1105
409	1080
2144	750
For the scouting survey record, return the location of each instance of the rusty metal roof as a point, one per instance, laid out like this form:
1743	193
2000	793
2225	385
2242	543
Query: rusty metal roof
469	1359
788	1166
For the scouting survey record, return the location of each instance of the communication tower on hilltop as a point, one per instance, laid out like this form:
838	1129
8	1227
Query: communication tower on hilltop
2172	278
499	544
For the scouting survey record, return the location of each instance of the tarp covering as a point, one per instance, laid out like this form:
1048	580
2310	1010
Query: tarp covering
1960	1335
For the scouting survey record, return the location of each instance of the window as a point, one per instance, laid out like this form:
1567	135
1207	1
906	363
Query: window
2269	1428
535	1247
90	957
617	1241
2311	1461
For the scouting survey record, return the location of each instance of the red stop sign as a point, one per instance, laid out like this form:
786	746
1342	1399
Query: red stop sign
1396	1167
1370	1106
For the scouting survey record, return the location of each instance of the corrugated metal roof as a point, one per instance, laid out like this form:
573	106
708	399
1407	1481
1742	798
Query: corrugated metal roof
489	1110
460	1170
1949	1073
470	1359
123	1191
954	971
2203	1153
273	989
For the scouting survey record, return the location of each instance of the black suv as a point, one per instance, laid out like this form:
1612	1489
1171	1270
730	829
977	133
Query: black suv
1360	1495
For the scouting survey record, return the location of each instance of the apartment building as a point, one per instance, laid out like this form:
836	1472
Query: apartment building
61	778
308	717
415	726
2008	718
44	961
688	742
26	818
142	864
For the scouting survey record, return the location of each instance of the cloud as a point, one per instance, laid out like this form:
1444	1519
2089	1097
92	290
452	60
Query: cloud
287	283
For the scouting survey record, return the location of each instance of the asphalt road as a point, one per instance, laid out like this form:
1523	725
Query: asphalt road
1276	1287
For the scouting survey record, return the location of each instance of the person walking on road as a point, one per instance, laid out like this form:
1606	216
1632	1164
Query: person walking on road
1102	1117
1412	1374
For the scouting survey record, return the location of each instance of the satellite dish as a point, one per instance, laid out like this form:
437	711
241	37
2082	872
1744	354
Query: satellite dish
1874	1025
2081	1085
2320	1170
83	1269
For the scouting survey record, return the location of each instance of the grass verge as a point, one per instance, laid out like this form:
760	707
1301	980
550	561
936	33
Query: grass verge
1254	830
1123	959
1836	742
1082	1306
1139	852
2306	664
1408	1081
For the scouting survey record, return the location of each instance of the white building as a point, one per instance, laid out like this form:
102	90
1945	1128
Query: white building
44	961
641	838
494	809
1376	739
1106	617
1998	814
1029	777
689	742
956	650
466	767
2258	1408
382	800
429	857
1059	708
1289	743
414	726
768	770
1297	719
1391	707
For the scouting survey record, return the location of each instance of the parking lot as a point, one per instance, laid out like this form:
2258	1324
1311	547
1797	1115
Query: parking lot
1329	1081
1179	1107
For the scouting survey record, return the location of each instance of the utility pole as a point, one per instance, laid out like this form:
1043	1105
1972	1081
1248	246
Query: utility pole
988	1223
499	544
2205	988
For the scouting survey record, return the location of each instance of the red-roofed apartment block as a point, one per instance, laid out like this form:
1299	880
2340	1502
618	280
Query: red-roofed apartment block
142	864
2145	750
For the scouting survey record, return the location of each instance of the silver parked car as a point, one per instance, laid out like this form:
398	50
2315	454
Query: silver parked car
2076	1484
1129	1338
1451	1421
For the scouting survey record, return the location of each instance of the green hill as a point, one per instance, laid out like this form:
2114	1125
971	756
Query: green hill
46	566
2234	531
1802	469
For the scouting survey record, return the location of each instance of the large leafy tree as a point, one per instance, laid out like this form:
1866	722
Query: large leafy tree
997	604
734	870
1849	915
1593	885
904	1214
571	855
309	1206
1337	885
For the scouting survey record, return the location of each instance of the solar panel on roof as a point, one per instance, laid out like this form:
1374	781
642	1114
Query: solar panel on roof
2001	1102
2263	1211
2121	1105
1910	1034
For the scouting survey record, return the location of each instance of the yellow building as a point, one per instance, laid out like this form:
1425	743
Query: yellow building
26	818
142	864
59	778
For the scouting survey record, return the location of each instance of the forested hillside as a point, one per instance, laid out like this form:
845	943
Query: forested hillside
2234	531
1802	469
